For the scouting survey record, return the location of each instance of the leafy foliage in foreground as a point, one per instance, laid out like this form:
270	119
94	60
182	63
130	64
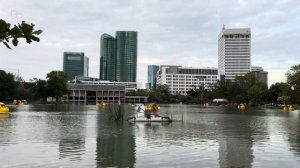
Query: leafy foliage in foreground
22	30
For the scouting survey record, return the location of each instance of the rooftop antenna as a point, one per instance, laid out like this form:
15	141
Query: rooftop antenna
223	27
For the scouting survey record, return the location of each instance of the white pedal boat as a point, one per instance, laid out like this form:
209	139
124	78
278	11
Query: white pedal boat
140	116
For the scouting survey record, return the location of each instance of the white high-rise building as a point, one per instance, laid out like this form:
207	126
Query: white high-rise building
234	53
182	79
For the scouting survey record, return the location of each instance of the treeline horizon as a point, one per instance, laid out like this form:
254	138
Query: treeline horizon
39	90
244	89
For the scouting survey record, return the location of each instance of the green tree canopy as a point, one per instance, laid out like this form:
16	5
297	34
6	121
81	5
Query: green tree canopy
57	84
243	89
257	93
293	79
160	94
277	90
293	76
8	85
138	92
229	90
23	30
283	99
199	94
246	81
40	89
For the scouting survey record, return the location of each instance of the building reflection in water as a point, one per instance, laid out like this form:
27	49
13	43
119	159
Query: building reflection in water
236	145
236	132
71	148
115	142
292	128
5	136
234	152
72	133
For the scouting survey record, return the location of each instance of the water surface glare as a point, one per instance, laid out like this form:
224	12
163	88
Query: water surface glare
83	136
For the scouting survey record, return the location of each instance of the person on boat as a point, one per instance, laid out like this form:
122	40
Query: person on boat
155	110
154	106
148	114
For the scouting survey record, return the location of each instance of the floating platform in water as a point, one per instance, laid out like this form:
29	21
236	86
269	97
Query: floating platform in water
143	114
148	119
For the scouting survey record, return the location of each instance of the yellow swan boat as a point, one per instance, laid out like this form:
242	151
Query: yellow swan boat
241	106
3	108
19	102
101	104
288	108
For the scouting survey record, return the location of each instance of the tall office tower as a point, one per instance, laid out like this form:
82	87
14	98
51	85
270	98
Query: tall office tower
152	70
126	57
75	64
234	53
107	58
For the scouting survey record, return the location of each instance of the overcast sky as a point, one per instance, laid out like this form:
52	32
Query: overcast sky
175	32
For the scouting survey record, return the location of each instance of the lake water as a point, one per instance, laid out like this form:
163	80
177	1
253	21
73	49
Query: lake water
84	136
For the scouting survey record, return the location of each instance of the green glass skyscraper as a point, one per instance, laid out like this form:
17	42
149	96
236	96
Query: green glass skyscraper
75	64
107	58
126	56
118	58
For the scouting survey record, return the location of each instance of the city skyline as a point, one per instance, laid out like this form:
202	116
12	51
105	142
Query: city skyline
173	32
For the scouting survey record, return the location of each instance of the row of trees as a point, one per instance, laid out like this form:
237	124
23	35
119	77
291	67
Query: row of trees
54	86
245	89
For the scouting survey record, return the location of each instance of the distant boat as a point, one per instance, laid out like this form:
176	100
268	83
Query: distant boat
241	106
19	102
3	108
101	104
144	114
219	102
288	107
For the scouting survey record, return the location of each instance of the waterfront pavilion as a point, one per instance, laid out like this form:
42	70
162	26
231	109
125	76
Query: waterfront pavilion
91	93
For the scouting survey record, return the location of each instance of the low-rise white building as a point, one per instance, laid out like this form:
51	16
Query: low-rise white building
182	79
